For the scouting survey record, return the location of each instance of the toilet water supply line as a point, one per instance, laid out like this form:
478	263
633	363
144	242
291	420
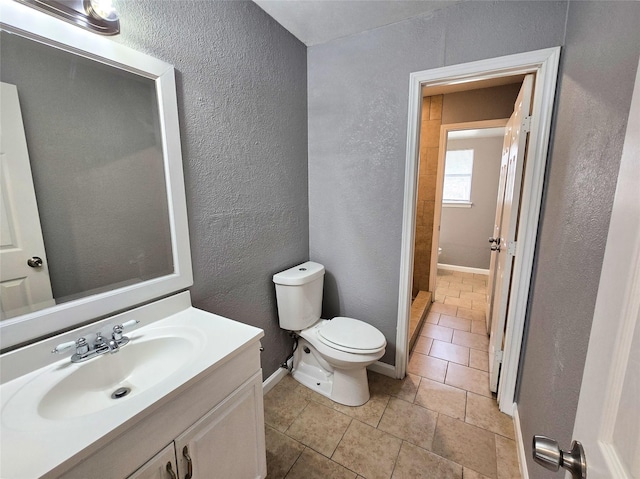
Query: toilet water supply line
285	365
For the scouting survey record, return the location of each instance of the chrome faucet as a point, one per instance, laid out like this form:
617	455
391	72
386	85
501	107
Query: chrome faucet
101	345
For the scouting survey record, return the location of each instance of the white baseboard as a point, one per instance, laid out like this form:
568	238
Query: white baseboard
463	269
383	368
269	383
522	452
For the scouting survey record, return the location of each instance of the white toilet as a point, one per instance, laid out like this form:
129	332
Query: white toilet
332	355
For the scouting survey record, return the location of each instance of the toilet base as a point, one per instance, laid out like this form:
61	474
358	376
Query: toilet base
345	386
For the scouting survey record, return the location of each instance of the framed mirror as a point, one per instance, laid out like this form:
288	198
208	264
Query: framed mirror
93	210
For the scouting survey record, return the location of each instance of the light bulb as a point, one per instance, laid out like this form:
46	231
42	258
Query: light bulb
103	9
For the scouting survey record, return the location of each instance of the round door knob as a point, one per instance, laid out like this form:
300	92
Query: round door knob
35	262
492	240
495	248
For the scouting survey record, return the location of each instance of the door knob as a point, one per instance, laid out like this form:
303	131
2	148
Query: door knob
548	454
495	247
34	262
492	240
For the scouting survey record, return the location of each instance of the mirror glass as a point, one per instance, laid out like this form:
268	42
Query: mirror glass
86	179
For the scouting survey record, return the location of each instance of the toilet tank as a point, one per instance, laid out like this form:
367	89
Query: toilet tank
299	295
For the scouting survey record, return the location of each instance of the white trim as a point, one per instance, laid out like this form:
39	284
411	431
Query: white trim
269	383
544	63
384	369
522	451
463	269
457	204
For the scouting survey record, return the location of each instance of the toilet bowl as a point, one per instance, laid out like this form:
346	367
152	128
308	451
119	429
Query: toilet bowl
331	355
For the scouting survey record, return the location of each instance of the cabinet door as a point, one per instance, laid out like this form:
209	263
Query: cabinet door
228	442
162	466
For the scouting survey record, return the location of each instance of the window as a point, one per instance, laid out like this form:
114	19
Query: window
458	171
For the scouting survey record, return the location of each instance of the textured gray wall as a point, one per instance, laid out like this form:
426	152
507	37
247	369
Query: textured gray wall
598	68
358	95
464	231
242	106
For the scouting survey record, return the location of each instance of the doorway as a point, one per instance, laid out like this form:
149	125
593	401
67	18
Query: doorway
544	64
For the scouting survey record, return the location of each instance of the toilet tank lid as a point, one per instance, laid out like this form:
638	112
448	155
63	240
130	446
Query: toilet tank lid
298	275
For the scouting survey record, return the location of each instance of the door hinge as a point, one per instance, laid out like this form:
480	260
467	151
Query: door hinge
526	124
511	248
498	356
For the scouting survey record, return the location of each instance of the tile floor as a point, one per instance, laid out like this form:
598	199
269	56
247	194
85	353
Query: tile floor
439	422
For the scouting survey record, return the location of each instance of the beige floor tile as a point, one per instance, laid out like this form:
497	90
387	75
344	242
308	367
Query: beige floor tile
368	451
439	297
432	317
453	293
444	399
311	465
370	412
423	345
449	309
401	388
454	279
442	283
473	296
450	352
477	305
479	359
470	314
479	327
471	474
473	281
282	453
436	331
480	276
483	412
410	422
470	340
466	444
507	456
319	427
468	379
416	463
461	287
427	367
455	322
463	303
282	406
476	288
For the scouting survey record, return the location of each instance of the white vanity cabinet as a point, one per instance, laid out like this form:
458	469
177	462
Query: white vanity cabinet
228	442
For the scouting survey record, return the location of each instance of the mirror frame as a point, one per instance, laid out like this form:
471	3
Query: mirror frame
40	27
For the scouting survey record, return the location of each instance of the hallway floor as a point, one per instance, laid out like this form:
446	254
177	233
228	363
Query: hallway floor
439	422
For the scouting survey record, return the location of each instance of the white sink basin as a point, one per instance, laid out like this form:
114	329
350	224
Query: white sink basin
136	367
68	391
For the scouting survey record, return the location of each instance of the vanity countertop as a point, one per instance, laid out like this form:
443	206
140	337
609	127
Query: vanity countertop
37	439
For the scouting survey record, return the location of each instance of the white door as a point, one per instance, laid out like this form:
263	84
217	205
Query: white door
608	415
518	130
497	223
23	288
162	466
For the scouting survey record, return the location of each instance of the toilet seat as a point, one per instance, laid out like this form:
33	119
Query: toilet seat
351	335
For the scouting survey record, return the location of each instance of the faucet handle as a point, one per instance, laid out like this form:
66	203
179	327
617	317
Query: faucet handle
60	348
118	328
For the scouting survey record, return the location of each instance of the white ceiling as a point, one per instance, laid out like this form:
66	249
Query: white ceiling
320	21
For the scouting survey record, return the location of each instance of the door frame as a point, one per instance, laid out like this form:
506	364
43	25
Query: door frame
437	209
544	63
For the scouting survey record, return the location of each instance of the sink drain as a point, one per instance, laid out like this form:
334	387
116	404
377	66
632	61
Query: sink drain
120	393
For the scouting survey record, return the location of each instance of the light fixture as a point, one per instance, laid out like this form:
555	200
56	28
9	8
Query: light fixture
99	16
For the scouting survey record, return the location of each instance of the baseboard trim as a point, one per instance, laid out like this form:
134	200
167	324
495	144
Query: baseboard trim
463	269
269	383
383	368
522	454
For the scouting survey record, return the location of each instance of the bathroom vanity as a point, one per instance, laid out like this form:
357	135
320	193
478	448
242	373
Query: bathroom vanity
156	388
195	401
